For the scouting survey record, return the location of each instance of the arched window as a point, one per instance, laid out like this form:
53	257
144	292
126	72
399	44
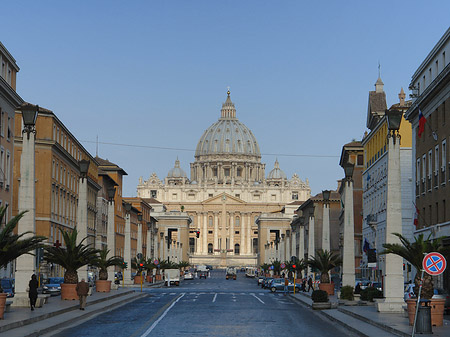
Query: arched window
236	249
210	248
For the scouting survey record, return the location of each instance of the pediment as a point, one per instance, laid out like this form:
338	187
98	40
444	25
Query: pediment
218	200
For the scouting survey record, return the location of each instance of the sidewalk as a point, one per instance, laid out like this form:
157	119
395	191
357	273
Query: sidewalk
57	313
364	320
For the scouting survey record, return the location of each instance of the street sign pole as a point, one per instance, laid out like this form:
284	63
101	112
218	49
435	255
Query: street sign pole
418	303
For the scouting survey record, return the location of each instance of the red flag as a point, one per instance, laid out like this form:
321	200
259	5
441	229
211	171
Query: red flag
416	217
422	121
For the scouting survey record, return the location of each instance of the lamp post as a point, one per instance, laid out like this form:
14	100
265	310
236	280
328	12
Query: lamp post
111	231
25	264
127	244
82	210
393	271
139	238
311	242
326	220
348	254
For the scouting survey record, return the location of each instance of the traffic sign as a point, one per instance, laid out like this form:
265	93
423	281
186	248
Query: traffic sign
271	267
283	266
156	262
434	263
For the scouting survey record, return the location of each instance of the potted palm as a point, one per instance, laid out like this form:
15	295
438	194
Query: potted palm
183	265
320	300
71	257
265	269
103	263
276	268
138	265
149	266
414	252
324	261
14	245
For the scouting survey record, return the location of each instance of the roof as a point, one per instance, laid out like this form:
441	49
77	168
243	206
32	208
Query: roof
106	165
151	201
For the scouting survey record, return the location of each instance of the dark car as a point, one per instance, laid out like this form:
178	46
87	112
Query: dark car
53	286
260	280
266	282
203	274
8	287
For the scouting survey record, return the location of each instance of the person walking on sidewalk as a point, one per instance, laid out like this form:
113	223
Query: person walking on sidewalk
82	292
286	284
310	284
32	291
304	285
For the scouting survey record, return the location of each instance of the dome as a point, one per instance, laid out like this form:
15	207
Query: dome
177	171
228	135
277	173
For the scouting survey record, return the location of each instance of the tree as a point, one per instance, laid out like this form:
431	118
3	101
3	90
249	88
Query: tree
414	252
265	267
324	261
71	257
14	245
103	262
276	267
136	264
183	265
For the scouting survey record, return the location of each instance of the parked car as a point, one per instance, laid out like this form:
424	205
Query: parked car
202	274
260	280
409	291
53	286
266	282
188	275
377	285
278	284
441	293
8	287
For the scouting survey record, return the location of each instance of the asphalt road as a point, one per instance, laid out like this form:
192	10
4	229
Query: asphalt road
211	307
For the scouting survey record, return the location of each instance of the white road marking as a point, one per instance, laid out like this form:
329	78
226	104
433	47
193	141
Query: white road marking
257	298
214	299
146	333
172	294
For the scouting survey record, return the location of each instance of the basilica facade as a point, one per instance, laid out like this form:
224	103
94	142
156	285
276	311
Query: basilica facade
227	192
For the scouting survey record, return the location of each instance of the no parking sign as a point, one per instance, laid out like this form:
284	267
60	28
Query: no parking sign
434	263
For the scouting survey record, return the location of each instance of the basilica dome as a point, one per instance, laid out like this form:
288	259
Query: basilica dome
177	171
228	136
277	173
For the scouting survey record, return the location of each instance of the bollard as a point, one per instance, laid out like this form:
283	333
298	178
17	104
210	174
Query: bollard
424	317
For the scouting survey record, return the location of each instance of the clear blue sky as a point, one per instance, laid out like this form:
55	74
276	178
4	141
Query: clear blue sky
155	73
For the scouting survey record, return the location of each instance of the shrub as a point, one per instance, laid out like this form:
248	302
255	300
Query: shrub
347	293
370	293
319	296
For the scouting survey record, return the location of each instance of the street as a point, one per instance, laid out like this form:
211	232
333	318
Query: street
211	307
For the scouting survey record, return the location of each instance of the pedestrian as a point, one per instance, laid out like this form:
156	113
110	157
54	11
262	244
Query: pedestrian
310	284
82	292
358	288
304	285
286	285
32	291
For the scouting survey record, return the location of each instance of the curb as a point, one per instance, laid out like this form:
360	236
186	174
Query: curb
85	315
29	321
376	324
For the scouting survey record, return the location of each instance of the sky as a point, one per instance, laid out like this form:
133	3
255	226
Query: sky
147	78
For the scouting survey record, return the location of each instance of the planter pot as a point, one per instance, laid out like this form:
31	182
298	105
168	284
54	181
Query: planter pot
158	277
328	287
103	286
149	279
321	305
437	311
68	291
2	304
137	279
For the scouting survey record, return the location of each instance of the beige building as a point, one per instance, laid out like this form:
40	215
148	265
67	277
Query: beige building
227	192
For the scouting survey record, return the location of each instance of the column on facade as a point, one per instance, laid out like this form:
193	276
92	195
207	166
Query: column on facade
282	248
139	239
111	237
232	218
301	243
288	247
149	243
294	244
161	247
243	229
216	233
198	246
249	234
205	231
127	249
311	244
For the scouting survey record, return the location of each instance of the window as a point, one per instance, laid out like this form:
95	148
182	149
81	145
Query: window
210	221
418	171
153	193
2	166
236	249
424	167
237	195
430	163
210	232
8	169
238	221
239	172
174	196
210	195
9	135
215	171
444	160
210	248
257	196
294	195
1	123
436	159
360	160
236	232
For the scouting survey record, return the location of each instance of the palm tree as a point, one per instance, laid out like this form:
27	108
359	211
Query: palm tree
103	262
183	264
149	266
14	245
136	265
324	261
276	267
71	257
414	252
265	267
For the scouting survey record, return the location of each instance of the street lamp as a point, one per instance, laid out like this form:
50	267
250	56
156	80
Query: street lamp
29	116
111	191
127	242
326	195
84	167
348	170
127	207
139	216
111	230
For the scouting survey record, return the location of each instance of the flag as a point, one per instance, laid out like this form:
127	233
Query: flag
366	246
422	121
416	216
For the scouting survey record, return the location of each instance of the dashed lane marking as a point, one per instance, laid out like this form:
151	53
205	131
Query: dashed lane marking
214	299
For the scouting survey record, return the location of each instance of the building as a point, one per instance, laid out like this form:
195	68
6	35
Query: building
227	191
57	157
374	179
9	101
430	85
